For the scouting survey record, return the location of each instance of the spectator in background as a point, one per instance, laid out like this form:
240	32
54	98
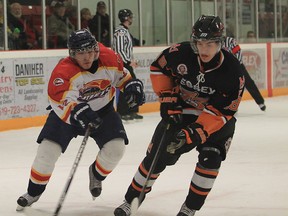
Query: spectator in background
71	14
123	44
100	24
10	35
250	37
85	17
22	35
58	26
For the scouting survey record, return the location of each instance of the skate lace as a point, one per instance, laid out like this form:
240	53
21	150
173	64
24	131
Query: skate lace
185	210
30	199
126	207
94	183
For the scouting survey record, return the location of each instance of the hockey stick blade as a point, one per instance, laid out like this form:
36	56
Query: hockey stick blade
134	206
35	212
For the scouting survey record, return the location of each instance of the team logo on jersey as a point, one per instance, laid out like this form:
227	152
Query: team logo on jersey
94	89
193	98
58	82
182	69
197	87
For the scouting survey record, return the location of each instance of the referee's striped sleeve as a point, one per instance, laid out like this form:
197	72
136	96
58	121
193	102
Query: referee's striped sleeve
231	45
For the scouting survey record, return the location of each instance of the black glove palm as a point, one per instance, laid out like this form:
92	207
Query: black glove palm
187	139
83	115
133	93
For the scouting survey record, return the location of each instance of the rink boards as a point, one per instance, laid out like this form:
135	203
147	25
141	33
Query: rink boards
25	74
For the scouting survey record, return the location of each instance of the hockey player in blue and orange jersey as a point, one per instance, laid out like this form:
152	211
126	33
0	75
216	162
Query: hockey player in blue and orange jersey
81	91
199	87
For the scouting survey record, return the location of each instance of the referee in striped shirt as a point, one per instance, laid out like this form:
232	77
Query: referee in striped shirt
123	44
231	45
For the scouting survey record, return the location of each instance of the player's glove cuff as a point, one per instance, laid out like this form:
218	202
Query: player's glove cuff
187	139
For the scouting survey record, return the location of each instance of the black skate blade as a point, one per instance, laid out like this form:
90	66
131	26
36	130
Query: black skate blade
134	206
35	212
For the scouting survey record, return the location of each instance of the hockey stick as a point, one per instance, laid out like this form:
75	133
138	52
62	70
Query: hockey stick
136	201
33	212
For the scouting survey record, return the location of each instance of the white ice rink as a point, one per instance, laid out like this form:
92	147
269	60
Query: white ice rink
253	181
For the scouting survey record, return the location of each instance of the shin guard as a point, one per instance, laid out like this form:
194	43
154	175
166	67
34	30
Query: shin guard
47	154
204	177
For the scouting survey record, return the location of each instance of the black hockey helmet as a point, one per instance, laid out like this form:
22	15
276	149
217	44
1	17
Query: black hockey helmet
124	14
207	28
81	40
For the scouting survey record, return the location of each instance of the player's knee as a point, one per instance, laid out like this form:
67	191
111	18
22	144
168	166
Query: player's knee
210	158
159	167
113	150
171	159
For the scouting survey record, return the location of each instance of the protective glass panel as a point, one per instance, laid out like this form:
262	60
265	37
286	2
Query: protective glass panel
154	25
24	25
61	20
180	20
95	16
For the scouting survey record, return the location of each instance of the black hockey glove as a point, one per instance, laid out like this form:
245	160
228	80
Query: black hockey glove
169	107
133	93
83	115
187	139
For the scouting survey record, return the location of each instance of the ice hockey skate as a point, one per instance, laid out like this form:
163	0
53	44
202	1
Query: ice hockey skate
185	211
95	186
26	200
262	107
127	118
137	117
123	210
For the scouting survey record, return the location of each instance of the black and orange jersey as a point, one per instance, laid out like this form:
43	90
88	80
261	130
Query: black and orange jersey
211	90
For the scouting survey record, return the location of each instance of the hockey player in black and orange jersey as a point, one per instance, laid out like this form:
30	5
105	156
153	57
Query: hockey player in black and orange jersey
81	91
200	87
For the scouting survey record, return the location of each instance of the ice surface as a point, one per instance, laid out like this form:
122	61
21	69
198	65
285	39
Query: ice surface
252	180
